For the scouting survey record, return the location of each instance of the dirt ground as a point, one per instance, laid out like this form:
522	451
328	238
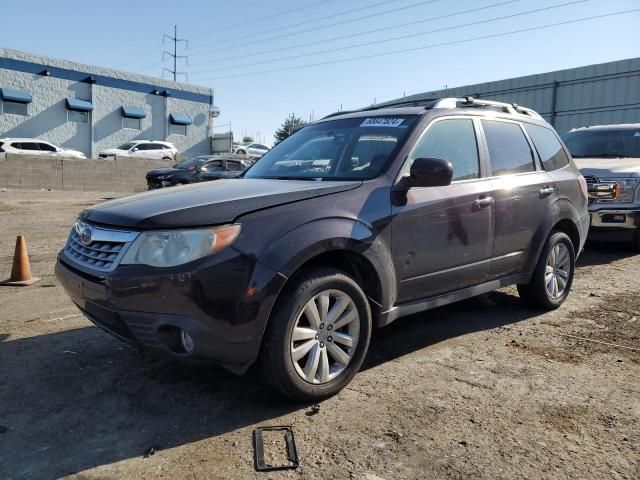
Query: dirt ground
484	389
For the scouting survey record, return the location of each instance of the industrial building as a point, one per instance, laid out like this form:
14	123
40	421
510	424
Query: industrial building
605	93
89	108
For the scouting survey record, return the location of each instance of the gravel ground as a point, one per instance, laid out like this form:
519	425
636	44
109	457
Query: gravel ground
484	389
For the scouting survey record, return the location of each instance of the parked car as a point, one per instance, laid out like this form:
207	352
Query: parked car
252	149
609	158
411	207
196	169
150	149
227	167
34	146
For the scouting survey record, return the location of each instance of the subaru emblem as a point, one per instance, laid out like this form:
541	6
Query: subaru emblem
85	236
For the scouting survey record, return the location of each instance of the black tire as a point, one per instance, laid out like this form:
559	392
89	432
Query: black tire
276	364
168	158
535	292
635	243
240	152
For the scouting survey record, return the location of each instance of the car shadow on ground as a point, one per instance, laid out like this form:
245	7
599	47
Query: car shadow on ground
78	399
600	253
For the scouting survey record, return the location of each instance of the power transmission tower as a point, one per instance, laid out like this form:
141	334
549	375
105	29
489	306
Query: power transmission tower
175	55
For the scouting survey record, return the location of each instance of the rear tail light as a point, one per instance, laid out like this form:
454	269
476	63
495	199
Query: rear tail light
583	186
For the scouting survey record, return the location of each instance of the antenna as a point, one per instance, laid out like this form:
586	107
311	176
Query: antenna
175	55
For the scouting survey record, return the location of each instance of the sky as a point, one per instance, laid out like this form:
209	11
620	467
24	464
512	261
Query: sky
268	59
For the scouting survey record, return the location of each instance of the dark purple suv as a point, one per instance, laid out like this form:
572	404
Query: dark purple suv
350	223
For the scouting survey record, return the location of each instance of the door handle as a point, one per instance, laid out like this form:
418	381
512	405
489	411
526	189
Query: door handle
546	191
483	202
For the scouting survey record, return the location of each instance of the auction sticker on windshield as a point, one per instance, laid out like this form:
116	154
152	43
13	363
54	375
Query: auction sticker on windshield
382	122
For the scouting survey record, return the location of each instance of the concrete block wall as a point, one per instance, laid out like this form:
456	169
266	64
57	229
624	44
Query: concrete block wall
33	172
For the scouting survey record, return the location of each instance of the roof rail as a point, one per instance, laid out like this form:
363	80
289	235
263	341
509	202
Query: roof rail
451	103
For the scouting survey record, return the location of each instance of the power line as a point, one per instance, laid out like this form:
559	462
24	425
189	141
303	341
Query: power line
318	28
402	37
297	24
425	47
150	66
391	27
261	19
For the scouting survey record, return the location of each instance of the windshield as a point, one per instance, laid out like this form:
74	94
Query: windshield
604	143
126	146
192	163
349	149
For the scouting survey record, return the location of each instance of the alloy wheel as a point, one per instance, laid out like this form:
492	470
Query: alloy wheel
325	336
557	271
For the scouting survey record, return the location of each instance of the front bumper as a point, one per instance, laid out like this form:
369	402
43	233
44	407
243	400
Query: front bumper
222	302
614	224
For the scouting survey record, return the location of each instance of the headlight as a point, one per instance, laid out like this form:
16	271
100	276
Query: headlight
625	189
174	247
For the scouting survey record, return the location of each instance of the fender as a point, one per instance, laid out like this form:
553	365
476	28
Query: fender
560	209
303	243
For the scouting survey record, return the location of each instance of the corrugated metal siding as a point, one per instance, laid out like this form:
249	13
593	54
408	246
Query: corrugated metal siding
591	95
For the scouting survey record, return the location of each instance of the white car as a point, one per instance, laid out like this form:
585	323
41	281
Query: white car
142	149
34	146
252	149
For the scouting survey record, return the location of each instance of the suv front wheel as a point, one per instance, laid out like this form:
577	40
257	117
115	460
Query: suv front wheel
318	336
553	276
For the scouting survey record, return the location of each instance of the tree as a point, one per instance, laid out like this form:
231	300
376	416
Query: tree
247	139
290	125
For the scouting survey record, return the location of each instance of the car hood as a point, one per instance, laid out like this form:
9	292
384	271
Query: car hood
609	167
205	204
165	171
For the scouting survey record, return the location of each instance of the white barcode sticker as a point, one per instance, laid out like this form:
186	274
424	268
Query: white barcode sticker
382	122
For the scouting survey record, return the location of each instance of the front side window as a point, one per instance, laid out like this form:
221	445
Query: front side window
215	166
15	108
348	149
453	140
29	146
77	116
509	150
191	163
609	143
126	146
45	147
175	129
133	123
548	146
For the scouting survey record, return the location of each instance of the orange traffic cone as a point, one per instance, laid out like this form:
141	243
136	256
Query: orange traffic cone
21	271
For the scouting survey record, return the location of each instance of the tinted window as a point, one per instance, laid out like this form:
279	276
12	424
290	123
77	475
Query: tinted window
324	150
191	163
47	148
214	166
509	150
548	146
77	117
612	143
154	146
133	123
234	166
29	146
453	140
177	129
126	146
15	108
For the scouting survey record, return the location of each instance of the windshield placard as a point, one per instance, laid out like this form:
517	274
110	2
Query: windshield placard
382	122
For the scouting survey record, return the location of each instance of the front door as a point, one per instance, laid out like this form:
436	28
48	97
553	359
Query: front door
442	236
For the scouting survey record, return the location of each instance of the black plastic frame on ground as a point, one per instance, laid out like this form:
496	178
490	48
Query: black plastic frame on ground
258	449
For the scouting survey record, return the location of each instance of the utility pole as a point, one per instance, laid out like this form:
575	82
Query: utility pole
175	55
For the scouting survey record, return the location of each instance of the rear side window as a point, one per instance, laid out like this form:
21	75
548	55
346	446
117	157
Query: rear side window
509	149
29	146
453	140
548	146
45	147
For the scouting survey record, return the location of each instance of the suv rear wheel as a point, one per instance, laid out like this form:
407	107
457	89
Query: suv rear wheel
318	336
553	276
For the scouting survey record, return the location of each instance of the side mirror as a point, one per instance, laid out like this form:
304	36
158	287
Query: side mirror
134	149
427	172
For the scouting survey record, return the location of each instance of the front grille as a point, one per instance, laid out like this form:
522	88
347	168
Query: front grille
102	252
590	179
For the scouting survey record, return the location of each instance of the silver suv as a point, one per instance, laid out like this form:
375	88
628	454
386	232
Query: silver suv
609	158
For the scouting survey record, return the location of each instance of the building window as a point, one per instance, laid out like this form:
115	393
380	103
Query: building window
133	123
176	129
77	116
15	108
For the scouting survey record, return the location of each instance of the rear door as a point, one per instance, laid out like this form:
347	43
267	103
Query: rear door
523	193
48	149
442	236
